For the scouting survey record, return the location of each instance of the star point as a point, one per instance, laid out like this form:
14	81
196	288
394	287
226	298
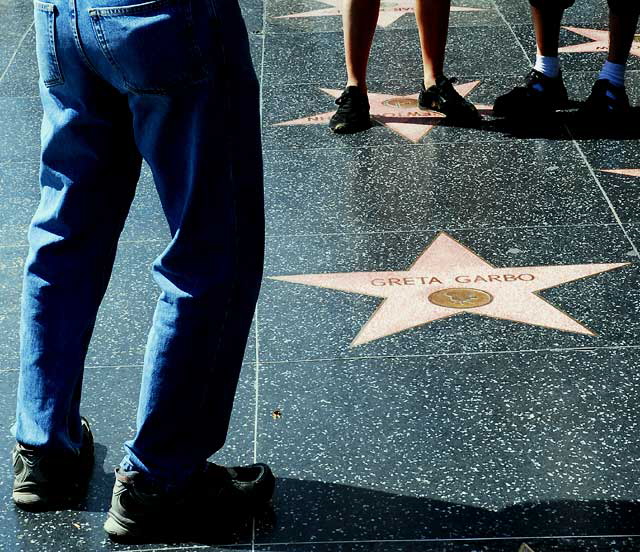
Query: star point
599	42
447	279
625	172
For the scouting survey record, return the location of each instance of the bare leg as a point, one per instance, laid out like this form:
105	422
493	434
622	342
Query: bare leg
432	17
621	33
359	19
546	23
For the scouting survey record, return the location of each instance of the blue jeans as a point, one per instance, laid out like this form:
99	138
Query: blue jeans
170	81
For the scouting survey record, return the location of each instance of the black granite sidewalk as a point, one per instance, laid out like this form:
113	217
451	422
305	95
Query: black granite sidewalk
462	433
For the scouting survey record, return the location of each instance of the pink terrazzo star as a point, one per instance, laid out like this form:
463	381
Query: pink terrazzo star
390	11
600	42
448	279
626	172
399	113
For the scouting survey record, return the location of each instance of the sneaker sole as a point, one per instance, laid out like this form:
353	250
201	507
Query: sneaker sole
32	502
469	117
119	530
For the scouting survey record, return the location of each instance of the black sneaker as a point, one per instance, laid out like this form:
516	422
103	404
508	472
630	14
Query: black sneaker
353	112
139	512
538	94
444	98
46	481
606	99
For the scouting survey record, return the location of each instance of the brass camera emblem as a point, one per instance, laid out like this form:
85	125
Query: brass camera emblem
460	298
401	103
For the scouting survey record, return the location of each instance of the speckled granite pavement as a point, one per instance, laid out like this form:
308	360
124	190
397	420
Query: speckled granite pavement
468	432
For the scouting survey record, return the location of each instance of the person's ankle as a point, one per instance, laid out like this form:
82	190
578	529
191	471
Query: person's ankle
362	87
614	73
549	66
430	80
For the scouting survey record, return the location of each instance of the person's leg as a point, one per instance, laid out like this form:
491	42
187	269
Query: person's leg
88	174
546	24
547	18
608	95
432	17
436	91
623	21
89	169
202	142
543	90
359	19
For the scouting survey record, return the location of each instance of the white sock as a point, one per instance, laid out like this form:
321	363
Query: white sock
613	72
549	66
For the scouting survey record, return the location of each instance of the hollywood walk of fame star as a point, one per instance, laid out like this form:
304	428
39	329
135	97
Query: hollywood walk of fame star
600	42
448	279
626	172
390	10
400	113
525	548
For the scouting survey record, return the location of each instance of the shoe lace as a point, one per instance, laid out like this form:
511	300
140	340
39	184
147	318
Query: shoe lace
347	97
448	94
444	85
342	100
532	77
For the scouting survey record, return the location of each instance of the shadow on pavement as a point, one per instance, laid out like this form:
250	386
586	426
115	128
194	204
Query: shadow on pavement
314	511
580	126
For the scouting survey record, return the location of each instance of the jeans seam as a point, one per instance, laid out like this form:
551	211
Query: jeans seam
76	38
236	256
126	10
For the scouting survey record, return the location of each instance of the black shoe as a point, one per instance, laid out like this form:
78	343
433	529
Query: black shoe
606	99
353	112
444	98
215	497
46	481
538	94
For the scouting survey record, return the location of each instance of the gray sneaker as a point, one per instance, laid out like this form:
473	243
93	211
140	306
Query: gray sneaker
216	496
46	481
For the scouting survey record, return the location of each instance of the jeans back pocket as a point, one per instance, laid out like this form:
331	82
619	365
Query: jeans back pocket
45	24
152	46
